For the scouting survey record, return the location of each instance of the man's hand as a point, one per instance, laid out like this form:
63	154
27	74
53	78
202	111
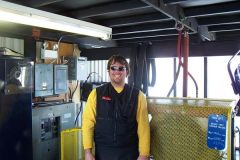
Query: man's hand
143	158
89	155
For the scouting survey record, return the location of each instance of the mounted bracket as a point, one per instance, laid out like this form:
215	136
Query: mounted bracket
176	13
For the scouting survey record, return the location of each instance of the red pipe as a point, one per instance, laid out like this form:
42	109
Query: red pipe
180	59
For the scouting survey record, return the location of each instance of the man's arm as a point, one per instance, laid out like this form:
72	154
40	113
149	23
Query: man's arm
88	123
143	158
143	127
89	155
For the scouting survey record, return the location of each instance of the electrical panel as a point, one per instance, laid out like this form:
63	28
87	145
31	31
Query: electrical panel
60	79
47	124
77	68
50	128
43	80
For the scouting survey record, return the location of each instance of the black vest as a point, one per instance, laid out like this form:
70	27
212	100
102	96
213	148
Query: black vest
116	124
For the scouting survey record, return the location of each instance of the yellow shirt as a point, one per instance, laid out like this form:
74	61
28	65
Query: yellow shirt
89	120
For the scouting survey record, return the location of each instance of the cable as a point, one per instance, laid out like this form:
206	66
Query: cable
70	93
181	64
80	110
58	43
175	81
153	67
235	89
189	74
75	89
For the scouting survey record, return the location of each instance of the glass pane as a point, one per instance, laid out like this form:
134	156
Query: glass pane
196	69
219	83
164	77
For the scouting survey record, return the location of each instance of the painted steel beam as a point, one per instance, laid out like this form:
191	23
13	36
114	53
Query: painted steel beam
145	35
144	28
219	9
222	28
205	30
40	3
196	2
93	54
166	48
149	39
177	1
228	36
177	14
219	20
118	7
137	19
173	12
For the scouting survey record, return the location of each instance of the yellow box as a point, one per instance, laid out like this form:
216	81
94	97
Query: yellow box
71	144
179	128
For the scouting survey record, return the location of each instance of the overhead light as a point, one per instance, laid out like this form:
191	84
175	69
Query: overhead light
11	12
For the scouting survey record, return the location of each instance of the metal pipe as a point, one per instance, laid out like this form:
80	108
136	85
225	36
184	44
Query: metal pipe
185	62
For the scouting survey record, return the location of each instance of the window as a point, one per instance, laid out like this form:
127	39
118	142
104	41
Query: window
196	69
219	83
164	77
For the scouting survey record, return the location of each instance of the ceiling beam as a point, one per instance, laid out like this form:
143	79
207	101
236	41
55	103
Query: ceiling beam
144	28
136	19
177	1
222	28
146	35
219	9
177	14
93	54
199	2
168	49
40	3
149	39
219	20
117	7
229	36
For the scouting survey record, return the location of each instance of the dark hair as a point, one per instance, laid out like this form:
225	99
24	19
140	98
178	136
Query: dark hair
119	59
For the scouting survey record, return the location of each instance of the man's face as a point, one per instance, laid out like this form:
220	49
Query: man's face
117	73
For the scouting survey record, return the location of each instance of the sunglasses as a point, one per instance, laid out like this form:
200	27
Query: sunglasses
116	68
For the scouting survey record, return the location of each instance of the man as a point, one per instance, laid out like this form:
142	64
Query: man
116	118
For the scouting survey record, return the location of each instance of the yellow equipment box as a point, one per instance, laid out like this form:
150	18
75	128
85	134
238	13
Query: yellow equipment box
71	144
179	128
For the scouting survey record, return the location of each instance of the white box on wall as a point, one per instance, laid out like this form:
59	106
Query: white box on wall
48	54
77	68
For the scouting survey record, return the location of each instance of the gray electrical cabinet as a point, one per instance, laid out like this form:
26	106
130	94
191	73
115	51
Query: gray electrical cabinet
43	76
47	124
60	79
77	68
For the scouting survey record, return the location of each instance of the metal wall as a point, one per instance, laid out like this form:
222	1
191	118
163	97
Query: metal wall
13	44
98	71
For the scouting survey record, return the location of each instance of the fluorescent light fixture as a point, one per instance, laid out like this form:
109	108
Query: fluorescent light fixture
11	12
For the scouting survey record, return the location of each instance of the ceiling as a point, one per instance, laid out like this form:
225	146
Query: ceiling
135	21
